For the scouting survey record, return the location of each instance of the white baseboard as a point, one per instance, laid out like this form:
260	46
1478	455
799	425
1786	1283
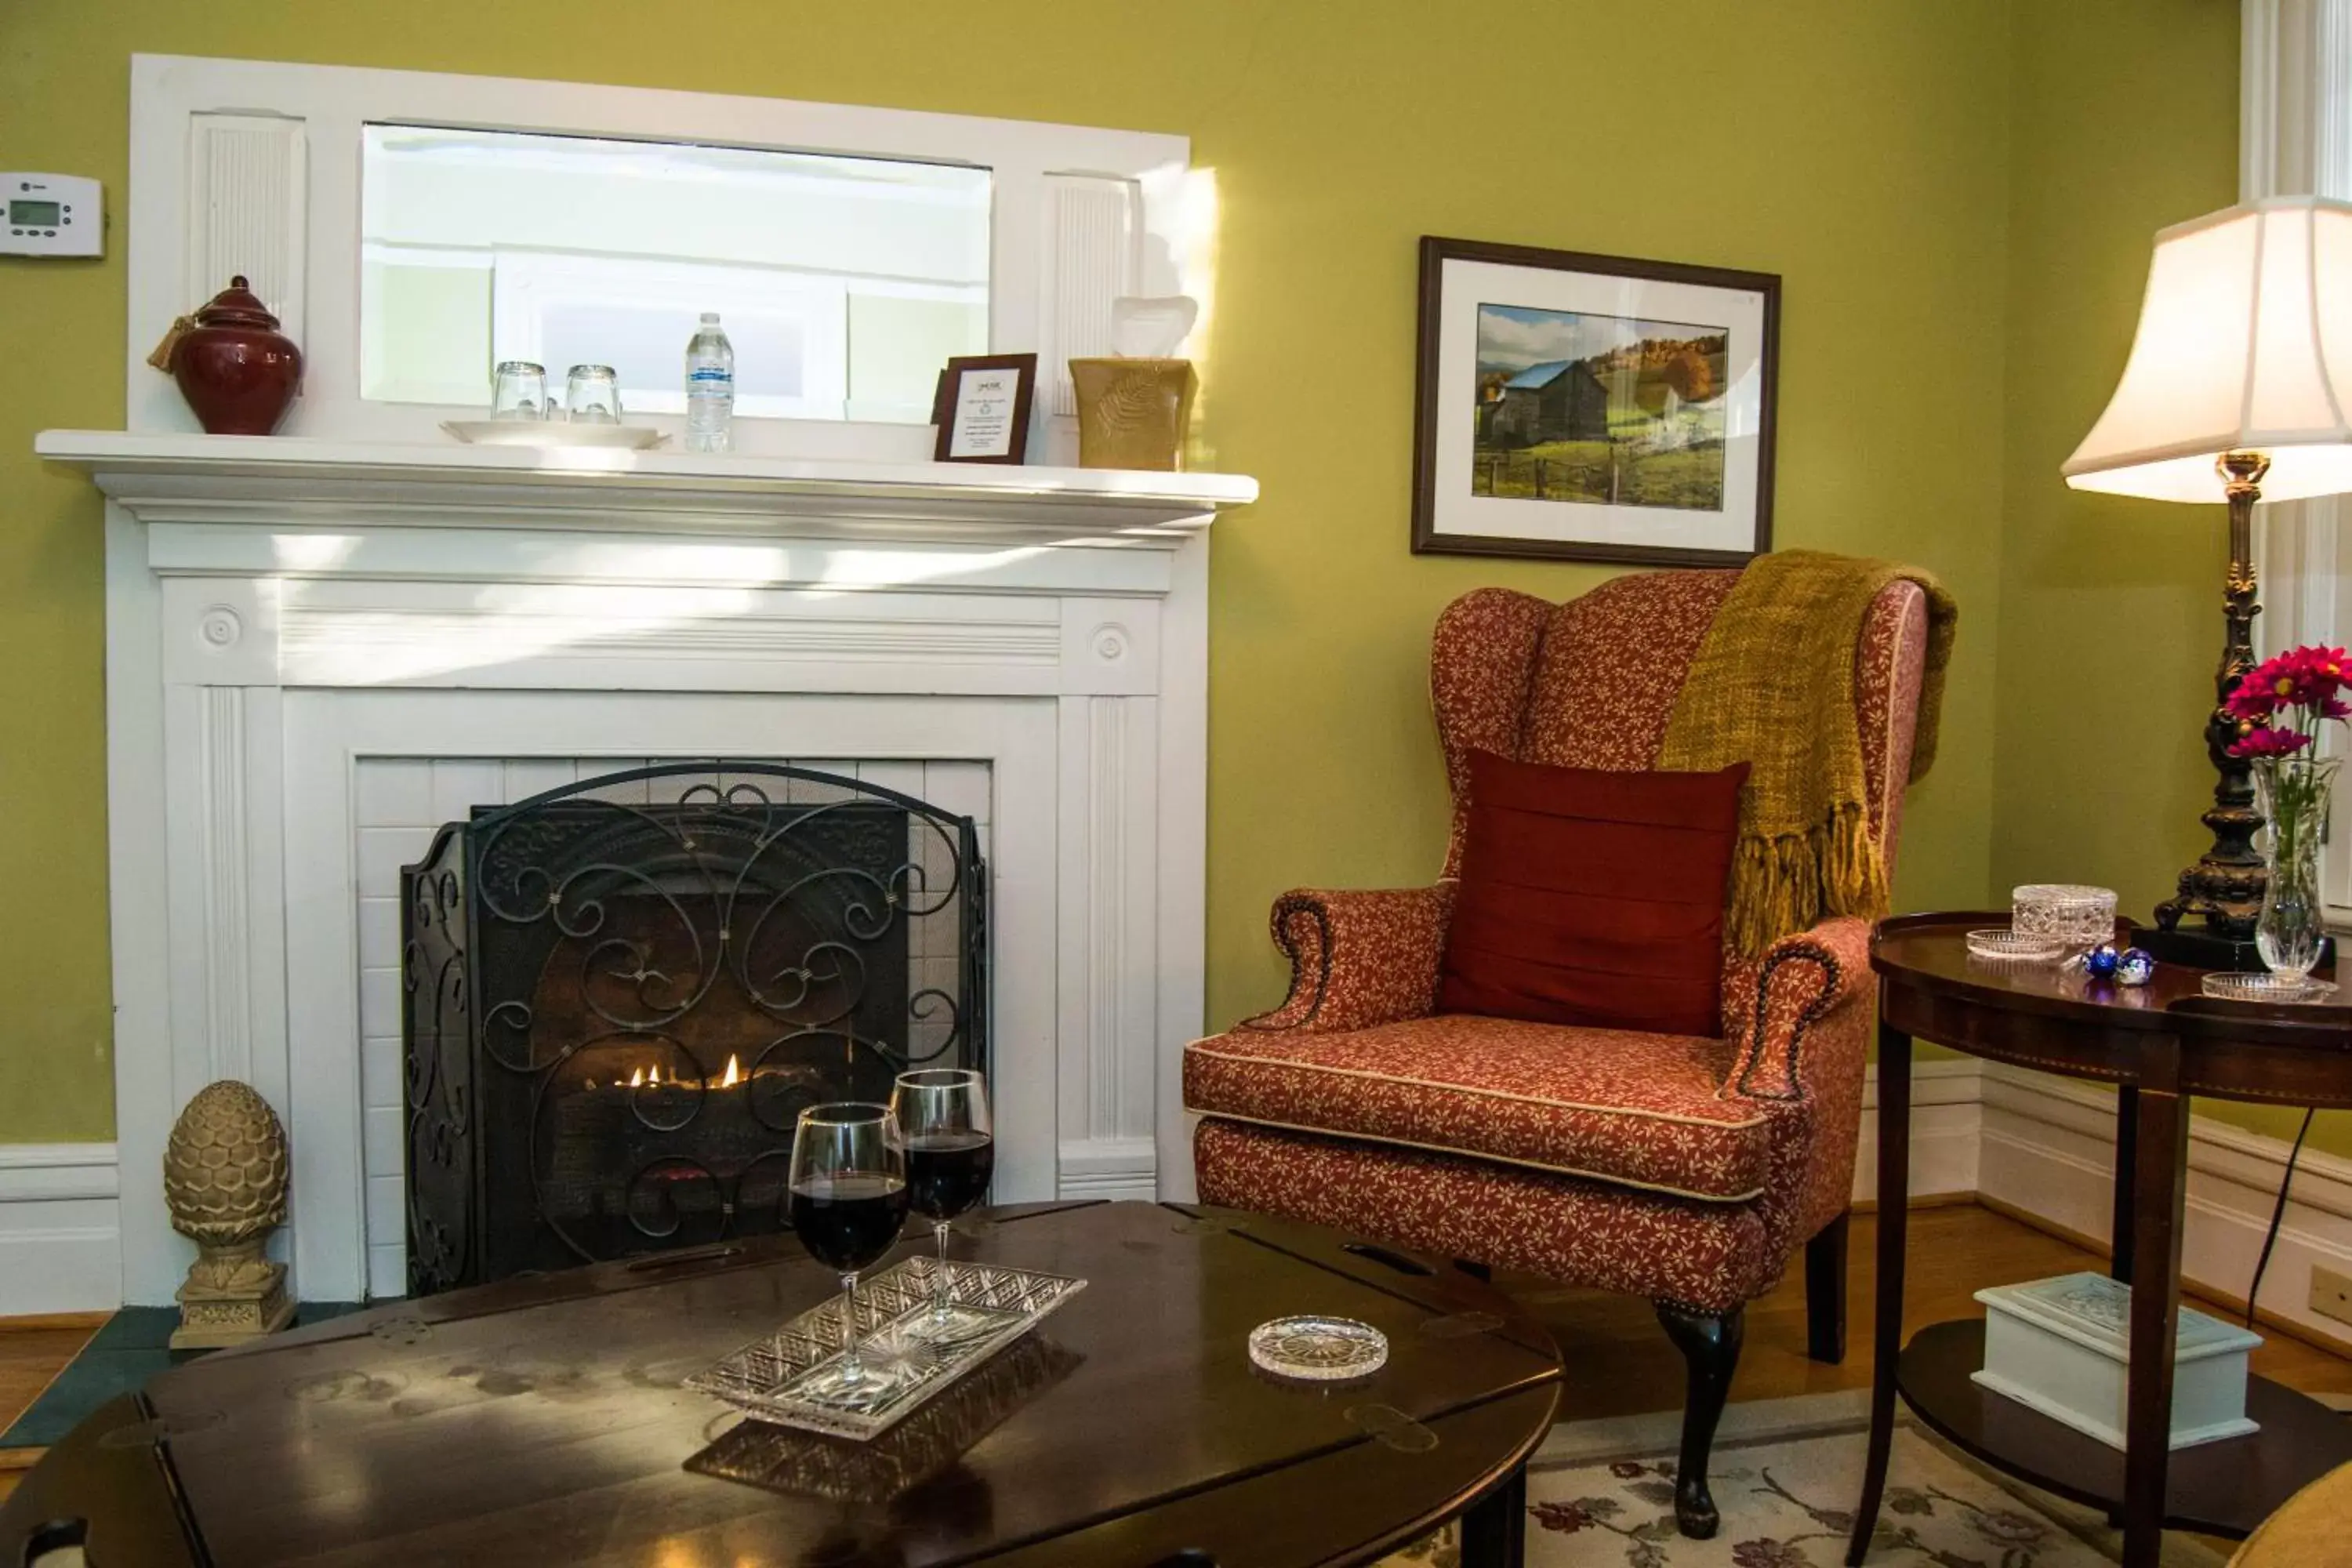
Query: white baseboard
1945	1117
2048	1149
1111	1168
2039	1144
60	1238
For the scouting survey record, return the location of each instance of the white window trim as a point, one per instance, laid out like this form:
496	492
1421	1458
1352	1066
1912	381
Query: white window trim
2295	138
1053	271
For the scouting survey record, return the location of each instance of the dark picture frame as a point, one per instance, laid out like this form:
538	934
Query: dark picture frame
1591	428
946	396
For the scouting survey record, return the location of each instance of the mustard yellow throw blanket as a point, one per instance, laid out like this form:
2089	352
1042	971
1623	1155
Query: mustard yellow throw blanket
1773	686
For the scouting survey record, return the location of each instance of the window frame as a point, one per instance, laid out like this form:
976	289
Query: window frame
2295	138
1049	280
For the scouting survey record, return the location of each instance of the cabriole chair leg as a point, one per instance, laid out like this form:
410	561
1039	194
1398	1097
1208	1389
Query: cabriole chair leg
1710	1345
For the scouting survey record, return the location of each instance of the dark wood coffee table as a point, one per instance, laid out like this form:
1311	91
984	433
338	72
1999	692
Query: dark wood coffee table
541	1421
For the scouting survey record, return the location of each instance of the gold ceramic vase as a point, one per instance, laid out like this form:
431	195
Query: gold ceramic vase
225	1176
1133	413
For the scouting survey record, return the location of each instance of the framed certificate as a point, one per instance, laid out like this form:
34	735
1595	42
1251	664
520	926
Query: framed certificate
982	408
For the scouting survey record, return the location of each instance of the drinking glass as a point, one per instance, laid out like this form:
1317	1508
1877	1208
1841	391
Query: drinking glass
848	1203
518	391
592	395
942	1114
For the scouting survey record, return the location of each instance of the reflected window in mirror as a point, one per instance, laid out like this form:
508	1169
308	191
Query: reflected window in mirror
844	283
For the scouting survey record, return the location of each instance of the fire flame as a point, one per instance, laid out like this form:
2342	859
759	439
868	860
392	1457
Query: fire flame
651	1078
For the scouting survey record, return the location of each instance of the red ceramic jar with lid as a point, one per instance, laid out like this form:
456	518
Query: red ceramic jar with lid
237	370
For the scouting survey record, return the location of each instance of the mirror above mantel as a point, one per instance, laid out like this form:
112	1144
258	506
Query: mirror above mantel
409	229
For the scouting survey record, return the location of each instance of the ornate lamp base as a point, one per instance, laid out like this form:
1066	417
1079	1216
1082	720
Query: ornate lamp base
233	1294
2223	892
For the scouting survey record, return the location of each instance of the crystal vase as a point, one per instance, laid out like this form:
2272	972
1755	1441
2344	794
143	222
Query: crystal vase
2294	792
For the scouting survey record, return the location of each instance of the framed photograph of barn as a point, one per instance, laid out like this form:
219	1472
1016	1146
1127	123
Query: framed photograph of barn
1592	407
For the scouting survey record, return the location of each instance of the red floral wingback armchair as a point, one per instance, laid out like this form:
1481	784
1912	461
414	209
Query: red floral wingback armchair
1684	1169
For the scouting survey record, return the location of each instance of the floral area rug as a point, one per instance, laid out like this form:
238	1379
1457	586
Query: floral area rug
1786	1476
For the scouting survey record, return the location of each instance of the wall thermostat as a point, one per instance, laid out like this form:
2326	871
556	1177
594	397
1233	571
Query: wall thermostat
51	215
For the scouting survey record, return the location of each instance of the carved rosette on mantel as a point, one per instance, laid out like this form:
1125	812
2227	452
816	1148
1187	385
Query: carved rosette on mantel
225	1175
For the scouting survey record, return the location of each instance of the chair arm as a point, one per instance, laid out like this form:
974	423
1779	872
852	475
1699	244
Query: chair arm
1358	959
1792	1005
1804	1012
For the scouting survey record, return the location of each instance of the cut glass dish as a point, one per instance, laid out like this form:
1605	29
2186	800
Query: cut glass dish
1319	1349
777	1458
794	1376
2024	947
2267	988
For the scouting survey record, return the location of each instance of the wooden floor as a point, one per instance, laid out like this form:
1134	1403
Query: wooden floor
32	1352
1619	1363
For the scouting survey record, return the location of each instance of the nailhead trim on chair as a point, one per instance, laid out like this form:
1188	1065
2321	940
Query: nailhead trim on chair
1284	908
1832	973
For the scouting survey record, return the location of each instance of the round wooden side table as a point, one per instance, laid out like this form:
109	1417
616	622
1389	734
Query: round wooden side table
2159	1044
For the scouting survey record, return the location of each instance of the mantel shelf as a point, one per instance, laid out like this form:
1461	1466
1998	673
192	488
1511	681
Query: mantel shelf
276	479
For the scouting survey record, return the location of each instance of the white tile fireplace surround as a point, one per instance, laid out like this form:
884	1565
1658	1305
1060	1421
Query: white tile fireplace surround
318	649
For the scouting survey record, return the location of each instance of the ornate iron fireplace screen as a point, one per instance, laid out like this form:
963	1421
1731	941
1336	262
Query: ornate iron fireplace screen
616	1006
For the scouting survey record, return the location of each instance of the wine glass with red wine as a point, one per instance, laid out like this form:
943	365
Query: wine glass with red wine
849	1205
950	1153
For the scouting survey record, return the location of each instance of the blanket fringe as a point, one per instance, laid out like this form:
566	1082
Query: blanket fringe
1789	881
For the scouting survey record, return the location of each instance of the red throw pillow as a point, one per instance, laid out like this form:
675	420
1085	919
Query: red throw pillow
1593	897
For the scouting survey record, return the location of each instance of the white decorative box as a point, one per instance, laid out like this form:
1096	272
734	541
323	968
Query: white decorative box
2061	1346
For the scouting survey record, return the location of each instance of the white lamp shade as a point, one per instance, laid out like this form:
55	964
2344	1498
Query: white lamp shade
2244	344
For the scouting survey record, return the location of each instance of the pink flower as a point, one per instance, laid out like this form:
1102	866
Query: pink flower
2280	703
2265	741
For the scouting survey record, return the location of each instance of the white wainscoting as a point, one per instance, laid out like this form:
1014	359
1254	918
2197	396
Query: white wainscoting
2035	1144
2048	1149
60	1238
1945	1116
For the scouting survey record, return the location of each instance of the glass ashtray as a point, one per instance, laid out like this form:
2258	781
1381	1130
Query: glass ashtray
2268	988
1318	1349
2020	946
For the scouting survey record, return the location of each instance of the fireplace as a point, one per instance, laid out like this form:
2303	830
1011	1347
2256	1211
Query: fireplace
618	994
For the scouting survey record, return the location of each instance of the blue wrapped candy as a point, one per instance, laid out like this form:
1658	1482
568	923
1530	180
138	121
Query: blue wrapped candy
2102	962
2136	967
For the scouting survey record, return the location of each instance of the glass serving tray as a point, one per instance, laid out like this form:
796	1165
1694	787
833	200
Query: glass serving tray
788	1377
809	1464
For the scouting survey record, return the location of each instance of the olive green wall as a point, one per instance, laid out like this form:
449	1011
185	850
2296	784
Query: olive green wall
2110	607
1858	149
1958	196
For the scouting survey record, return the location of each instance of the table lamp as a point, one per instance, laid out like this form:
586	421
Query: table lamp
2237	390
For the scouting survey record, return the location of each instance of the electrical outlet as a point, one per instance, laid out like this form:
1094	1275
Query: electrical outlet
2331	1294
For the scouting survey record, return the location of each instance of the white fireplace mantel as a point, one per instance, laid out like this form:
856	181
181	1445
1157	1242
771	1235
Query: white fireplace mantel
287	616
177	477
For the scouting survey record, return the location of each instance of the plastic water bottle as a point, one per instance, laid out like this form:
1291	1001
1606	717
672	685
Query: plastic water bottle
710	389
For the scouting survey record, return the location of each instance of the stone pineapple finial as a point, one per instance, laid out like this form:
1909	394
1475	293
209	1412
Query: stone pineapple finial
224	1176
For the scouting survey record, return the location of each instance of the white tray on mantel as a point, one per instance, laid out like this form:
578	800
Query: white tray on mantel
550	435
